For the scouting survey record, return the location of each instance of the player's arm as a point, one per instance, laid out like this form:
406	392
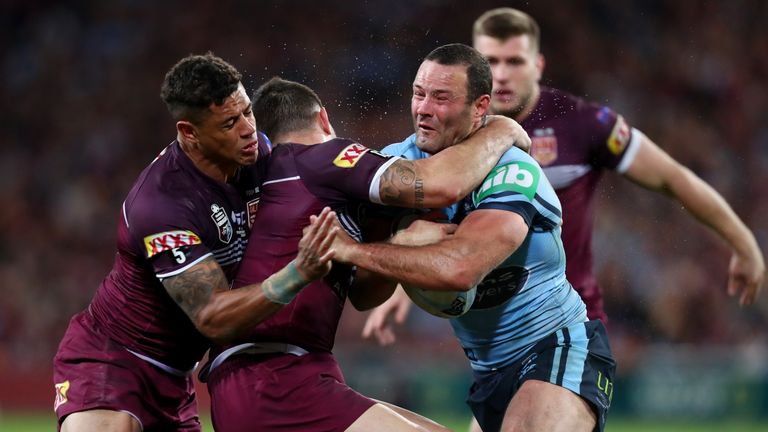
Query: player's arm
459	262
220	314
371	289
450	175
379	324
654	169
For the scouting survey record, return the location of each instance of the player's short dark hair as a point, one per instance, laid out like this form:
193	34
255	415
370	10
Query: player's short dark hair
479	78
281	106
196	82
504	23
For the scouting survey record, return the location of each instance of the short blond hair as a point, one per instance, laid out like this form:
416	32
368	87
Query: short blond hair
504	23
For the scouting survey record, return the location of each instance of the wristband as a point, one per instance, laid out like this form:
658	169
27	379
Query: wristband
284	285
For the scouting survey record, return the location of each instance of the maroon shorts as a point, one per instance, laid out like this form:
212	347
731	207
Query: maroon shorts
90	371
283	392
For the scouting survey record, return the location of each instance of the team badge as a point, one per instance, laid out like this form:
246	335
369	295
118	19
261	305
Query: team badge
350	155
619	138
168	240
219	216
252	207
61	394
544	146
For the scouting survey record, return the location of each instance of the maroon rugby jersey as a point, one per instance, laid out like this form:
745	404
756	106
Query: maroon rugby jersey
174	216
575	141
300	181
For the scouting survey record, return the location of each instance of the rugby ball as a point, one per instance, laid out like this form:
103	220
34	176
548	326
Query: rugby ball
444	304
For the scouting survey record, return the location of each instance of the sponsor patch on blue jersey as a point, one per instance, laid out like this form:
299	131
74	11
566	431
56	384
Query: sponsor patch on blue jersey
517	177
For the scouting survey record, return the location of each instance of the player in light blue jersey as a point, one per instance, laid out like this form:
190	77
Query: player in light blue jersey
538	364
534	274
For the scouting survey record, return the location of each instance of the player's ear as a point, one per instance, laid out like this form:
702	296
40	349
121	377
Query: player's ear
324	122
540	63
481	106
186	130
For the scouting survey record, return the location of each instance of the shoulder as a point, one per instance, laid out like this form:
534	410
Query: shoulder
516	172
165	197
406	148
343	152
567	103
514	154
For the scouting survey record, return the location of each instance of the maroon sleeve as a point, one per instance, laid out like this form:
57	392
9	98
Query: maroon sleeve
340	169
608	134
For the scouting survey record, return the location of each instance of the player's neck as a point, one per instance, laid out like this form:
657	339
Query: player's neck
529	107
306	137
217	170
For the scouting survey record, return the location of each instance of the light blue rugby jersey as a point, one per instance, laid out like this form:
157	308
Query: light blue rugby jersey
527	297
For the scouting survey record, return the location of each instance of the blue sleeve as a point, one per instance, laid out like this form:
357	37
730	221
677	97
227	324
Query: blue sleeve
518	184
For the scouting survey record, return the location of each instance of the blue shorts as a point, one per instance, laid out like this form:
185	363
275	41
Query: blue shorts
577	358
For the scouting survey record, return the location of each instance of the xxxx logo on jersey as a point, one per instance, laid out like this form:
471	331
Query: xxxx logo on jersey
168	240
519	177
350	155
61	394
619	136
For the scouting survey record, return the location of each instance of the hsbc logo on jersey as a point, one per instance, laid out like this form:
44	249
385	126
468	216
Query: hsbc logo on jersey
219	216
350	155
168	240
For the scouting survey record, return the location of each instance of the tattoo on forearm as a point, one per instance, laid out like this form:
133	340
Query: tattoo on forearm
192	289
399	183
419	193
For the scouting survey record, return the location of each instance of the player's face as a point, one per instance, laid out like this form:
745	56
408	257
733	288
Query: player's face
516	67
441	115
227	135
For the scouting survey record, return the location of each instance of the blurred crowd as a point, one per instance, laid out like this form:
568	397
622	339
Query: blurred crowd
82	117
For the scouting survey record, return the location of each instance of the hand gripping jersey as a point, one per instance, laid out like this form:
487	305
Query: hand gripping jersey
300	181
174	217
527	297
575	142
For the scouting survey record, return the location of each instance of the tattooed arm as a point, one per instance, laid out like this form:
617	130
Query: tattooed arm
454	172
221	314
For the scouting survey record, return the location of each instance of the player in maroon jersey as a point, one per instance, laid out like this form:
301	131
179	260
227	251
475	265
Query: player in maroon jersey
575	142
281	375
125	362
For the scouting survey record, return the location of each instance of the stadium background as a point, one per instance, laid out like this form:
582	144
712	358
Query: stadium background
81	117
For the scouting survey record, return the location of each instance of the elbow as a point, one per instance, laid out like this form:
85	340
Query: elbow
452	194
461	277
214	331
444	196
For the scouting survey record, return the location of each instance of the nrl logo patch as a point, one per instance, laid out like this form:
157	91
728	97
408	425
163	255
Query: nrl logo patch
219	216
61	394
350	155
